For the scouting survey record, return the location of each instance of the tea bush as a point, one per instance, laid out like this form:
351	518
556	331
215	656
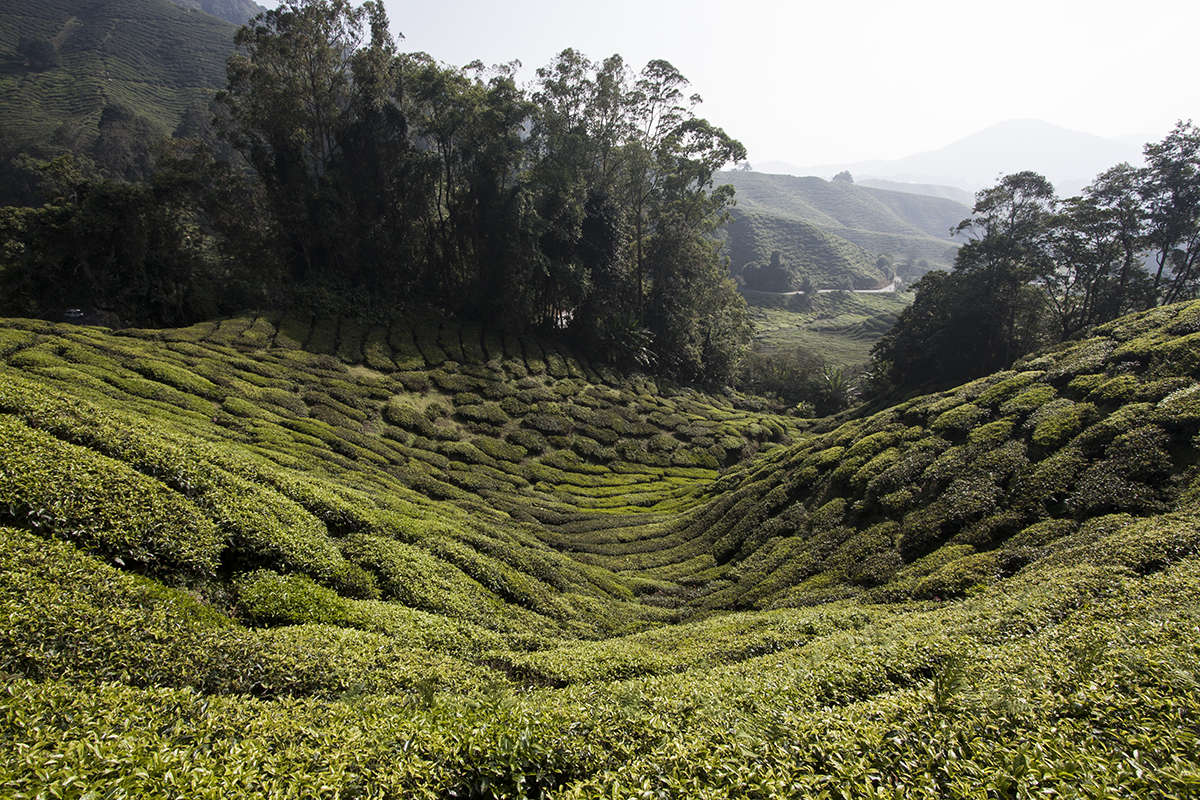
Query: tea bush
295	557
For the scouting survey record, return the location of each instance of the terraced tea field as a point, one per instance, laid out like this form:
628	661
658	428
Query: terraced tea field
840	327
279	556
150	56
508	444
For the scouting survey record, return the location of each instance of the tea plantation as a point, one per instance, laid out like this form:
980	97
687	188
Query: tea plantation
839	326
313	557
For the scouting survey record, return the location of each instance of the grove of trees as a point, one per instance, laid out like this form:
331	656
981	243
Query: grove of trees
583	203
1038	269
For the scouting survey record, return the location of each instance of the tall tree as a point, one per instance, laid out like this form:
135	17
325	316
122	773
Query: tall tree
658	108
587	205
1114	193
1095	271
293	87
624	161
1009	247
1171	191
985	313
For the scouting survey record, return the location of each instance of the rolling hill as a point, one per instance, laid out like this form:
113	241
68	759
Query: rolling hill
150	56
751	237
928	189
288	556
834	231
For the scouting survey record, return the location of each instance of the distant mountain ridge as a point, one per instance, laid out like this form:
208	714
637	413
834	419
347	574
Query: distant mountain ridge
927	189
1069	158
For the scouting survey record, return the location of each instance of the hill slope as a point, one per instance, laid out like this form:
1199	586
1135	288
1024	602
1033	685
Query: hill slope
947	492
753	235
151	56
237	12
841	327
853	226
959	196
295	557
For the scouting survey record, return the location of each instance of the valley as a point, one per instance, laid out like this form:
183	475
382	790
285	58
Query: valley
525	576
378	423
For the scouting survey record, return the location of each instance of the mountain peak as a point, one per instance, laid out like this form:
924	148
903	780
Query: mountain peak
1069	158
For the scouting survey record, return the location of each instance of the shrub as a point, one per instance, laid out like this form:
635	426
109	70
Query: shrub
1141	453
452	382
1181	408
101	504
532	441
437	410
405	416
958	420
514	407
415	381
1085	384
548	422
1049	482
1121	389
489	413
1101	488
1042	533
1028	401
1002	390
1054	424
466	452
992	434
268	598
467	399
499	449
957	577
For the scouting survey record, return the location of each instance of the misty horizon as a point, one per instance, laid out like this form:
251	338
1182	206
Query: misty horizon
817	86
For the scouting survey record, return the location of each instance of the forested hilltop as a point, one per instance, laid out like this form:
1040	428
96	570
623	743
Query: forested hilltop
338	164
834	234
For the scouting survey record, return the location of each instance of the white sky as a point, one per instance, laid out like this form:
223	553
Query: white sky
824	81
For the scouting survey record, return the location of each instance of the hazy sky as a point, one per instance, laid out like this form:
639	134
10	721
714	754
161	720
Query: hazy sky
828	81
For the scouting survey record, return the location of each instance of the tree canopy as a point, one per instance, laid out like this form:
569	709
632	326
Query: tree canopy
583	204
1038	269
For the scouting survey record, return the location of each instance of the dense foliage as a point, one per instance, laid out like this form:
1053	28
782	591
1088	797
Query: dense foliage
1039	270
810	352
308	557
585	204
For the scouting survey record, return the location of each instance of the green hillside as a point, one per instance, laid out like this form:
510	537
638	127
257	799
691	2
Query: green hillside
841	327
752	235
150	56
296	557
237	12
900	225
959	196
947	493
